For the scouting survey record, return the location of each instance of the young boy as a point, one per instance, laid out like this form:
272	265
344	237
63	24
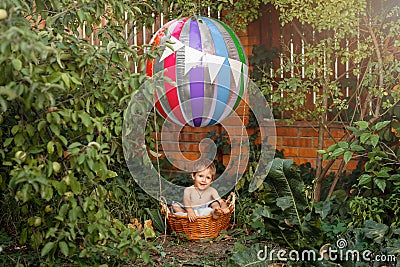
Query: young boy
200	198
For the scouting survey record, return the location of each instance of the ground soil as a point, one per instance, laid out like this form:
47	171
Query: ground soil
178	252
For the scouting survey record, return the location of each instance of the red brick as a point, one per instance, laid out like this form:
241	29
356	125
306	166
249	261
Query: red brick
269	124
271	140
170	146
303	132
336	133
242	110
172	128
328	143
352	165
335	165
279	141
268	131
191	156
297	142
286	131
192	137
290	152
236	131
189	147
251	131
307	152
189	129
233	121
168	136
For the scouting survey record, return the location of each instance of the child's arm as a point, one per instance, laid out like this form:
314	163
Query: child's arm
188	205
222	202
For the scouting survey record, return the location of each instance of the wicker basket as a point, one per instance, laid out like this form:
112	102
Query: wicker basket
204	226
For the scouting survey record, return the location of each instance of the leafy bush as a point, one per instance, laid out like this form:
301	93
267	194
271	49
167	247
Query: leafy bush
282	211
378	185
63	179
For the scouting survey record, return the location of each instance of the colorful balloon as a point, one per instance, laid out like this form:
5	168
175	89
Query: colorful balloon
207	66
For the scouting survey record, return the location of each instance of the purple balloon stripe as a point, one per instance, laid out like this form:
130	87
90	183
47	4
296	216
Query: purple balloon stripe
196	77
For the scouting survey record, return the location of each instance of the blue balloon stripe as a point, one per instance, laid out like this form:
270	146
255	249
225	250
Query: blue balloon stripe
224	76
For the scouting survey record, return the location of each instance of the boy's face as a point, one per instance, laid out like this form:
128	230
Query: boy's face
202	179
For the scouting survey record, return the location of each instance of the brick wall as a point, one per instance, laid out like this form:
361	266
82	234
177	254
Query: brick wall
298	141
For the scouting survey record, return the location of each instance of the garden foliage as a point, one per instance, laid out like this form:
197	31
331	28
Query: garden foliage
64	188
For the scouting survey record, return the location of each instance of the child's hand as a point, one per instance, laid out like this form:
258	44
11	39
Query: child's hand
191	215
226	210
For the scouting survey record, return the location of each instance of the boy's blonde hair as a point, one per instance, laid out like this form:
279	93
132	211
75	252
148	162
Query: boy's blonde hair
205	164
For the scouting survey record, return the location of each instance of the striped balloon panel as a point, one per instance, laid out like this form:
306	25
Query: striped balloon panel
203	92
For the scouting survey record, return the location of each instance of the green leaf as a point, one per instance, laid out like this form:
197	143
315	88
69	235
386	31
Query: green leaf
51	232
381	125
347	156
258	179
146	256
338	152
382	174
353	129
30	130
74	144
83	253
86	120
55	129
364	137
65	78
75	185
99	107
50	147
323	208
332	148
251	256
8	141
63	140
157	219
364	179
47	248
374	139
381	183
23	236
154	154
356	147
362	124
64	248
148	232
15	129
343	144
47	193
17	64
375	231
284	202
41	125
75	80
285	183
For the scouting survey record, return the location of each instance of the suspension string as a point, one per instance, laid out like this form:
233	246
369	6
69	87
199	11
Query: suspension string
240	155
159	175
